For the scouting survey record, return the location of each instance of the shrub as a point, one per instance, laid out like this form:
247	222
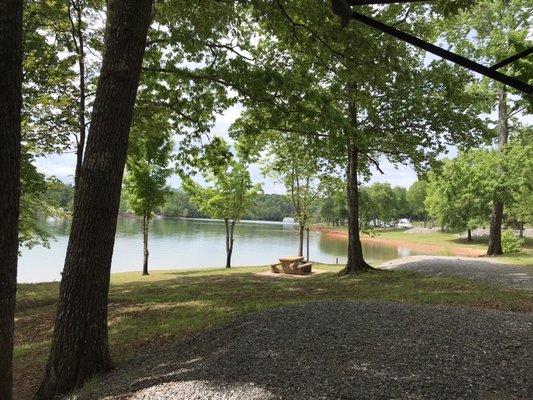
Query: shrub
511	243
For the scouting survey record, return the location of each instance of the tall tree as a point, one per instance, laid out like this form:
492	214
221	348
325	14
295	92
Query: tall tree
416	195
10	127
520	161
80	340
383	202
459	194
147	170
501	29
229	198
349	90
333	207
59	78
292	162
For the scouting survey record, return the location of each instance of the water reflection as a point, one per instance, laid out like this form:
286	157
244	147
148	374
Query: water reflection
179	243
375	253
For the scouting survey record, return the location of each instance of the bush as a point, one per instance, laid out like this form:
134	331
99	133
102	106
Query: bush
511	243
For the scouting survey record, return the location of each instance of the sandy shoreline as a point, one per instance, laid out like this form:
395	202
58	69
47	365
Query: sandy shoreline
437	249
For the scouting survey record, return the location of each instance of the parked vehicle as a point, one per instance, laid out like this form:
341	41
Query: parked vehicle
404	223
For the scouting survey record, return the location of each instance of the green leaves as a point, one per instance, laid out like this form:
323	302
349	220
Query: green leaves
231	193
147	164
36	203
491	31
461	195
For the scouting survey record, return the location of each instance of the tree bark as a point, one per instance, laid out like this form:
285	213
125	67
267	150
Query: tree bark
469	235
356	262
495	233
301	230
146	224
495	236
230	227
10	137
79	348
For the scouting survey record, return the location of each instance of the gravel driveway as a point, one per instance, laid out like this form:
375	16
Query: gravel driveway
492	272
340	350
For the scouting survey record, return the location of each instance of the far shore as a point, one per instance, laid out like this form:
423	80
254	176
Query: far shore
433	249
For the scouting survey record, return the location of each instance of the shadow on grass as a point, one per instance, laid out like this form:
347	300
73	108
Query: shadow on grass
147	315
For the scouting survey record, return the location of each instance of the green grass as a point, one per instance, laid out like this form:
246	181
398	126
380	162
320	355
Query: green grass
151	311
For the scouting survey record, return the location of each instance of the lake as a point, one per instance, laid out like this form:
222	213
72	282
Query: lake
194	243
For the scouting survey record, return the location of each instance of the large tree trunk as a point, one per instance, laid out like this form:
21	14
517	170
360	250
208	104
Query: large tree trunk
301	230
10	118
495	234
356	262
80	340
469	234
146	224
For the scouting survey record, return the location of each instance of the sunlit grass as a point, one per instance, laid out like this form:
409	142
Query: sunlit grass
147	312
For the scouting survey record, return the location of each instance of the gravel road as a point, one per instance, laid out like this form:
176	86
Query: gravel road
340	350
492	272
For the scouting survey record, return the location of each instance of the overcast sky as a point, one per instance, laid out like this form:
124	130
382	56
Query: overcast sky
62	165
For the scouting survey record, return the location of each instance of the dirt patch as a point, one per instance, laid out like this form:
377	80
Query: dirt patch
289	276
437	249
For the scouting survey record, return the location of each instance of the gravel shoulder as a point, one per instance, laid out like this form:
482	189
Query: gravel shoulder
487	270
339	350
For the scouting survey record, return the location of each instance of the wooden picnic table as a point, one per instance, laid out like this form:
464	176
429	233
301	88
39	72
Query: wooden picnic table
292	265
287	261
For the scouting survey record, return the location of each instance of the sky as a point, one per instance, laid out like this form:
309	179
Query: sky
62	165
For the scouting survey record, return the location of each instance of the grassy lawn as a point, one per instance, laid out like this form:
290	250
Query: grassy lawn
147	312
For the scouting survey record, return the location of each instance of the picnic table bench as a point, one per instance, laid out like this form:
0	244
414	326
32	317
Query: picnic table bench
293	265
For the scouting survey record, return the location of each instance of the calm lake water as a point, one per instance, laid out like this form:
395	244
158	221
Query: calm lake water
187	243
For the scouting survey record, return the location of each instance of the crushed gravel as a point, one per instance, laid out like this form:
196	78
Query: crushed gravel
492	272
340	350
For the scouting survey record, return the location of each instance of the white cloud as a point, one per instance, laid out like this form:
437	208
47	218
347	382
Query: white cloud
61	166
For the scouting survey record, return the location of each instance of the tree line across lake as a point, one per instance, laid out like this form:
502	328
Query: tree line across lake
382	203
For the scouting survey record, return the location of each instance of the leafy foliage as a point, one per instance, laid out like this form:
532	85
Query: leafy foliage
461	194
458	196
145	183
416	195
291	161
231	195
36	204
511	243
